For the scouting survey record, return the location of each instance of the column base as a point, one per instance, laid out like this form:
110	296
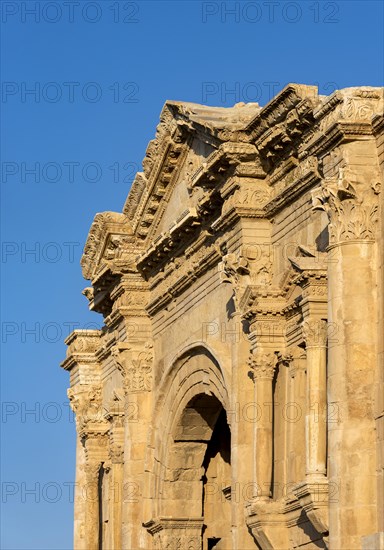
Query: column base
266	522
312	495
176	533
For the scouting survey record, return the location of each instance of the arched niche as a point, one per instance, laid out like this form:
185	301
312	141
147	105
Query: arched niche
192	399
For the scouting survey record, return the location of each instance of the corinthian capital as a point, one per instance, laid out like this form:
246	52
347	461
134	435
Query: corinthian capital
136	366
351	206
315	332
85	401
263	365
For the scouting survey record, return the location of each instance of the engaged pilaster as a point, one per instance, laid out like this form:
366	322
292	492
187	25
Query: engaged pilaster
315	336
263	368
350	201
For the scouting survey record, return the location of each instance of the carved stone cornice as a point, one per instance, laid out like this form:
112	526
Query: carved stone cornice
156	525
165	245
312	278
281	138
175	533
280	107
160	166
292	185
130	298
351	206
228	154
378	124
246	197
109	253
181	273
109	232
83	342
345	112
136	192
81	356
260	303
344	116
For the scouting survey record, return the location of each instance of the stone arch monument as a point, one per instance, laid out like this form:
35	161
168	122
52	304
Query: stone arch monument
233	398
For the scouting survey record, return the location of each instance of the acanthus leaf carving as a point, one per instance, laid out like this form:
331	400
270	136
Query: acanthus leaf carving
315	332
263	364
352	215
136	366
251	266
86	403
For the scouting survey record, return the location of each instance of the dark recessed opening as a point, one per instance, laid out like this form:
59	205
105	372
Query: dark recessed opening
212	542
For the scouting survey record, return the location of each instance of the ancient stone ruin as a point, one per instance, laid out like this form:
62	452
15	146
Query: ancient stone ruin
234	397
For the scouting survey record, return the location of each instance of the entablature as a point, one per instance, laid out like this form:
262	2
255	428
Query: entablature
81	355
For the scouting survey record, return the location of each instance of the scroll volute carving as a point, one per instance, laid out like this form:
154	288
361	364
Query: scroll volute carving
136	365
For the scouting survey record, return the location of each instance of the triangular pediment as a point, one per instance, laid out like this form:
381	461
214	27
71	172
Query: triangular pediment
187	137
196	151
191	137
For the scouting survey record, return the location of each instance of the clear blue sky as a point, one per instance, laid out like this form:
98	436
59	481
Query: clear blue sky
101	72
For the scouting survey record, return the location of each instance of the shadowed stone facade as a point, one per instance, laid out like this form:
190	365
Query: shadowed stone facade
234	396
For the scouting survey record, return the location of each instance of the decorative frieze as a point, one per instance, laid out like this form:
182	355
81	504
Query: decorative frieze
176	533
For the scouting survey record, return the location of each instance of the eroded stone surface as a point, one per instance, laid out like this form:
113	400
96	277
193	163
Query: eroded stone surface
234	397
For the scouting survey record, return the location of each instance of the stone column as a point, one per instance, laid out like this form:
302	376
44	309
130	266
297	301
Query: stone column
116	454
315	335
351	205
296	394
80	502
263	366
91	494
116	498
96	452
85	400
135	361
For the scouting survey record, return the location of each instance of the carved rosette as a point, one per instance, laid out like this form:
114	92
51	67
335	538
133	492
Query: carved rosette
352	215
263	365
315	332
